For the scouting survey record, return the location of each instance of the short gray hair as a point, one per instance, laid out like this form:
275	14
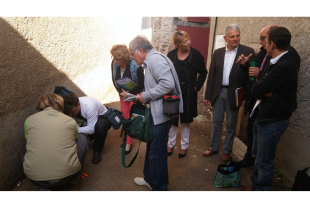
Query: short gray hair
232	27
140	41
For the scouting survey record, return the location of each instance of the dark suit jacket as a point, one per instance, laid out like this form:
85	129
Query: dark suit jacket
250	99
280	79
237	77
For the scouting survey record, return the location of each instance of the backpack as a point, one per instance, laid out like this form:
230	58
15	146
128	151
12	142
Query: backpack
114	116
62	91
302	181
137	126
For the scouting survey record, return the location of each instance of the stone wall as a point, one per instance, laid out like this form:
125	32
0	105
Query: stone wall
163	29
39	53
293	151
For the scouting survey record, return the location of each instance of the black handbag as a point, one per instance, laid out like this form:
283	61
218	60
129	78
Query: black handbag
171	105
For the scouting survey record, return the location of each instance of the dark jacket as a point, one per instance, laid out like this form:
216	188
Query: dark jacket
251	100
280	79
237	77
138	88
196	65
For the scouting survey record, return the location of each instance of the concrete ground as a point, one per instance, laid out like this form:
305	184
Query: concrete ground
191	173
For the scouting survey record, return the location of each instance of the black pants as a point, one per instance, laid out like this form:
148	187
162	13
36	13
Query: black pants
101	130
249	129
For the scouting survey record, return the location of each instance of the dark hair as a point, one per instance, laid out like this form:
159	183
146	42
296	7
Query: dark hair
280	36
70	100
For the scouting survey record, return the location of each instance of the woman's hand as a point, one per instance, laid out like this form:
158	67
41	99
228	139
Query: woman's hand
123	93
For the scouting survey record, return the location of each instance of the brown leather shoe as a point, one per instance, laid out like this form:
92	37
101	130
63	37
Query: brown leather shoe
209	152
245	188
225	157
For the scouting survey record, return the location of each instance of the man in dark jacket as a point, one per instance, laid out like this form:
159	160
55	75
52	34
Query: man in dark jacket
250	100
276	91
225	75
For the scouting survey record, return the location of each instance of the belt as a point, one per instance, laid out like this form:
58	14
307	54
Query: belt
225	86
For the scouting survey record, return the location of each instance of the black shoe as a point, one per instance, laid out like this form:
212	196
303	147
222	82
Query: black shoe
247	163
96	158
170	153
182	155
127	152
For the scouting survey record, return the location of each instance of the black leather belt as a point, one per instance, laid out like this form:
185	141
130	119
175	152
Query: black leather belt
225	86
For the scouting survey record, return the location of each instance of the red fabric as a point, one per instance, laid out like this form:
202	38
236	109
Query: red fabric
125	108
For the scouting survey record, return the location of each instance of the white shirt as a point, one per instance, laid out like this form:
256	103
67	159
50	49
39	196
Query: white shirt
275	60
91	108
228	63
122	72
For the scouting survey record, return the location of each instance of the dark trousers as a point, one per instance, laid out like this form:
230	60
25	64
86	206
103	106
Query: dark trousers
101	130
155	164
248	155
265	142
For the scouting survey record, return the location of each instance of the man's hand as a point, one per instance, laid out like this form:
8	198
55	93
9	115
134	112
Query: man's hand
140	98
123	93
207	102
242	59
253	71
243	103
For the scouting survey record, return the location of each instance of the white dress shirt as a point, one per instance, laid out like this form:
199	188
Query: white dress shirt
228	63
91	108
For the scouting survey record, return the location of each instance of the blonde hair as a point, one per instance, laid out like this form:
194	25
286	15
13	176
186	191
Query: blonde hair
178	37
50	100
120	51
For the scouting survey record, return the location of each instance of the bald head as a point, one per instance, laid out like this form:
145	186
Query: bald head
263	35
266	29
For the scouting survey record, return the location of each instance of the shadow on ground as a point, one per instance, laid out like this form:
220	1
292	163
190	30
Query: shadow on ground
191	173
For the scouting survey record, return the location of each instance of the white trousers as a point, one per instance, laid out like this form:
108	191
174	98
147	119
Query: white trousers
184	137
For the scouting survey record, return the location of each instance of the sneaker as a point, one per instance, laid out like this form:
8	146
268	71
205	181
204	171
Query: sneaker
141	182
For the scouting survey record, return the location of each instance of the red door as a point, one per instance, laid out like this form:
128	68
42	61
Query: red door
199	38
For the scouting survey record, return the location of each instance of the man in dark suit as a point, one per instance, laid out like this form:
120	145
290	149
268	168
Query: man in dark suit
250	100
276	94
225	75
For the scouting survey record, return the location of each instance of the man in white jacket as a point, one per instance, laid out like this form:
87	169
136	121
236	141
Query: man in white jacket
160	79
89	111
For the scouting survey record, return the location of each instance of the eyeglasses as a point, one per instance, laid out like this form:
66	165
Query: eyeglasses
130	54
262	38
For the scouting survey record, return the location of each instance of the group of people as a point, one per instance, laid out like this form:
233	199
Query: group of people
64	126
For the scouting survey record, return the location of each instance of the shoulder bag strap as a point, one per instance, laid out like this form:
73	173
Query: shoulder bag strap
124	150
177	89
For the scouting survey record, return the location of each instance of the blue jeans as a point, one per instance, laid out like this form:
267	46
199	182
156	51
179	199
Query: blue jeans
155	164
266	137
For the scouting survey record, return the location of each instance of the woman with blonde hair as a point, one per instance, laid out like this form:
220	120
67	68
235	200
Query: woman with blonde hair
188	62
54	150
122	66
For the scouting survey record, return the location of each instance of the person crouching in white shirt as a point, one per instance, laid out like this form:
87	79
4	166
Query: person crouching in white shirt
94	124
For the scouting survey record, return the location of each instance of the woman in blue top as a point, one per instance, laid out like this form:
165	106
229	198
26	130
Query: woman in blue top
122	66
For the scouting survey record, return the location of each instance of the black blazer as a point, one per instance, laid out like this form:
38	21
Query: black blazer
237	77
197	67
138	88
250	99
280	79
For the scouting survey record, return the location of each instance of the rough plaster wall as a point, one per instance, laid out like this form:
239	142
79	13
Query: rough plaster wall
163	30
299	28
40	53
297	136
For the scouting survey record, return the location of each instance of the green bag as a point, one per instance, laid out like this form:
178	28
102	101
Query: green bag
228	175
137	126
